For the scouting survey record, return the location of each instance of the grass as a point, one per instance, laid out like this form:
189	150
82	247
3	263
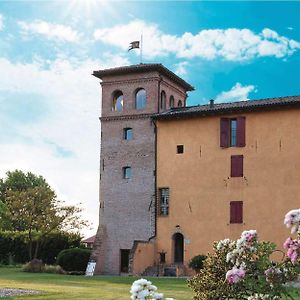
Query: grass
58	287
53	286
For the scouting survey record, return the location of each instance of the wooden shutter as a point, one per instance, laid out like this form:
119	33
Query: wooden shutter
237	166
241	132
236	212
224	132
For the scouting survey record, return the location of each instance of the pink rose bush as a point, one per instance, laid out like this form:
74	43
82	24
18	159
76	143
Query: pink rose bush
242	268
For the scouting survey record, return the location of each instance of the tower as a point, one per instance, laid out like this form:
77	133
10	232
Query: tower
130	96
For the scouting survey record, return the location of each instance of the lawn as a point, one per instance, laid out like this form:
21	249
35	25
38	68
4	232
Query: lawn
58	287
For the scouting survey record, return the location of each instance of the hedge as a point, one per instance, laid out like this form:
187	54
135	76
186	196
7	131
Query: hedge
75	259
14	246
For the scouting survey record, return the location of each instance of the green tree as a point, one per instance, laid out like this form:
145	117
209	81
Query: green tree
32	206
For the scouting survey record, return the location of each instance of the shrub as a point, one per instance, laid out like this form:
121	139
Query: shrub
34	266
75	259
196	262
243	269
53	269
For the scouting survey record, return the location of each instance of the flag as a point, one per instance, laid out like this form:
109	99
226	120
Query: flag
133	45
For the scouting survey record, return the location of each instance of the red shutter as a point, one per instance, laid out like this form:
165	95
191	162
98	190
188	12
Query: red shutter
224	132
237	166
236	212
240	132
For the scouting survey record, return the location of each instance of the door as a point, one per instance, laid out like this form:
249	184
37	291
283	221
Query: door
124	254
178	247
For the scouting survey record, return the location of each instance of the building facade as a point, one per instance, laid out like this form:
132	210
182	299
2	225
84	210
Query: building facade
130	96
174	179
223	169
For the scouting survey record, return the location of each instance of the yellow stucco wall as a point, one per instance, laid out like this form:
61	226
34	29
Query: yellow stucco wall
201	188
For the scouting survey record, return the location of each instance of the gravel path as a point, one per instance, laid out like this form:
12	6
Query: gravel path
12	292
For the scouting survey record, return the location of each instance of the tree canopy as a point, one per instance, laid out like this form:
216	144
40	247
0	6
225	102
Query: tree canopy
28	203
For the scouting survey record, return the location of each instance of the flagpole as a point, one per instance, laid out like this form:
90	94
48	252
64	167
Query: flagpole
141	50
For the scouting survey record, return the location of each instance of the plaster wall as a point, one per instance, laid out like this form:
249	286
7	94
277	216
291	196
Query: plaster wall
201	187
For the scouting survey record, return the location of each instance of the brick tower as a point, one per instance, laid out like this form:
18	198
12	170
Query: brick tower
130	96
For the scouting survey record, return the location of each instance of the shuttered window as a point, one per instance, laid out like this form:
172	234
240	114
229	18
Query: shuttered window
232	132
236	212
237	166
164	201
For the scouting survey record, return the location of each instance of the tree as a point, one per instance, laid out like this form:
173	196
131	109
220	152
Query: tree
32	206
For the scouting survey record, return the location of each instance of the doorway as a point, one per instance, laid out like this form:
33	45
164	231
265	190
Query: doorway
124	254
178	248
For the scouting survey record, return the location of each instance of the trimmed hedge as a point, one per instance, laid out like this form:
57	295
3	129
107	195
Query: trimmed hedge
14	246
75	259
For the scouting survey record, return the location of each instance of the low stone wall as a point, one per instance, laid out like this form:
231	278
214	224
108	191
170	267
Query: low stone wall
142	256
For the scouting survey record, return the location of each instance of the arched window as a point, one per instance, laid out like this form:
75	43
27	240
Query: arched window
117	104
140	99
163	101
171	103
179	103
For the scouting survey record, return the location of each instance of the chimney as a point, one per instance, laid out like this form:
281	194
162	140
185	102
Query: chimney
211	103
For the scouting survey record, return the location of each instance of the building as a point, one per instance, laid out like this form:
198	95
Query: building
130	96
175	178
89	242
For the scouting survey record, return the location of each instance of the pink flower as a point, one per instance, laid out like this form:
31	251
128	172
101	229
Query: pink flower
287	243
235	275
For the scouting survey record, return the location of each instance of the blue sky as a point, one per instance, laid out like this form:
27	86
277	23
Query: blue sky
50	104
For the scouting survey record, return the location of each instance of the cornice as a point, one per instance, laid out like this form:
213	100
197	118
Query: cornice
126	117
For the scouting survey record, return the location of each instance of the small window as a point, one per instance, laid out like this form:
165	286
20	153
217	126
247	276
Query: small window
163	99
164	201
172	102
127	172
237	166
117	104
236	212
180	149
140	99
179	103
128	134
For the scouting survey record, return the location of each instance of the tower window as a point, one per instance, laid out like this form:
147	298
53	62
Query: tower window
233	126
127	174
163	103
128	133
117	104
172	102
179	103
164	201
140	99
180	149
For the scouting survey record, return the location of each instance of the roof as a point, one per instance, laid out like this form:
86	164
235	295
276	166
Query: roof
89	240
232	107
144	68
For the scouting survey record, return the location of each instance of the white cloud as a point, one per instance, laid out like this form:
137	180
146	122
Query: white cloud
1	22
230	44
180	68
50	30
71	124
237	93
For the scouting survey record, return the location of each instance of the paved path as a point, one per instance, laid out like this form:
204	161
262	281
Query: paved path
12	292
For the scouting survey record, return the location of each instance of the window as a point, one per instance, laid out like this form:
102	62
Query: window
237	168
233	132
179	103
117	104
172	102
127	172
180	149
164	201
233	124
128	134
236	212
140	99
163	100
